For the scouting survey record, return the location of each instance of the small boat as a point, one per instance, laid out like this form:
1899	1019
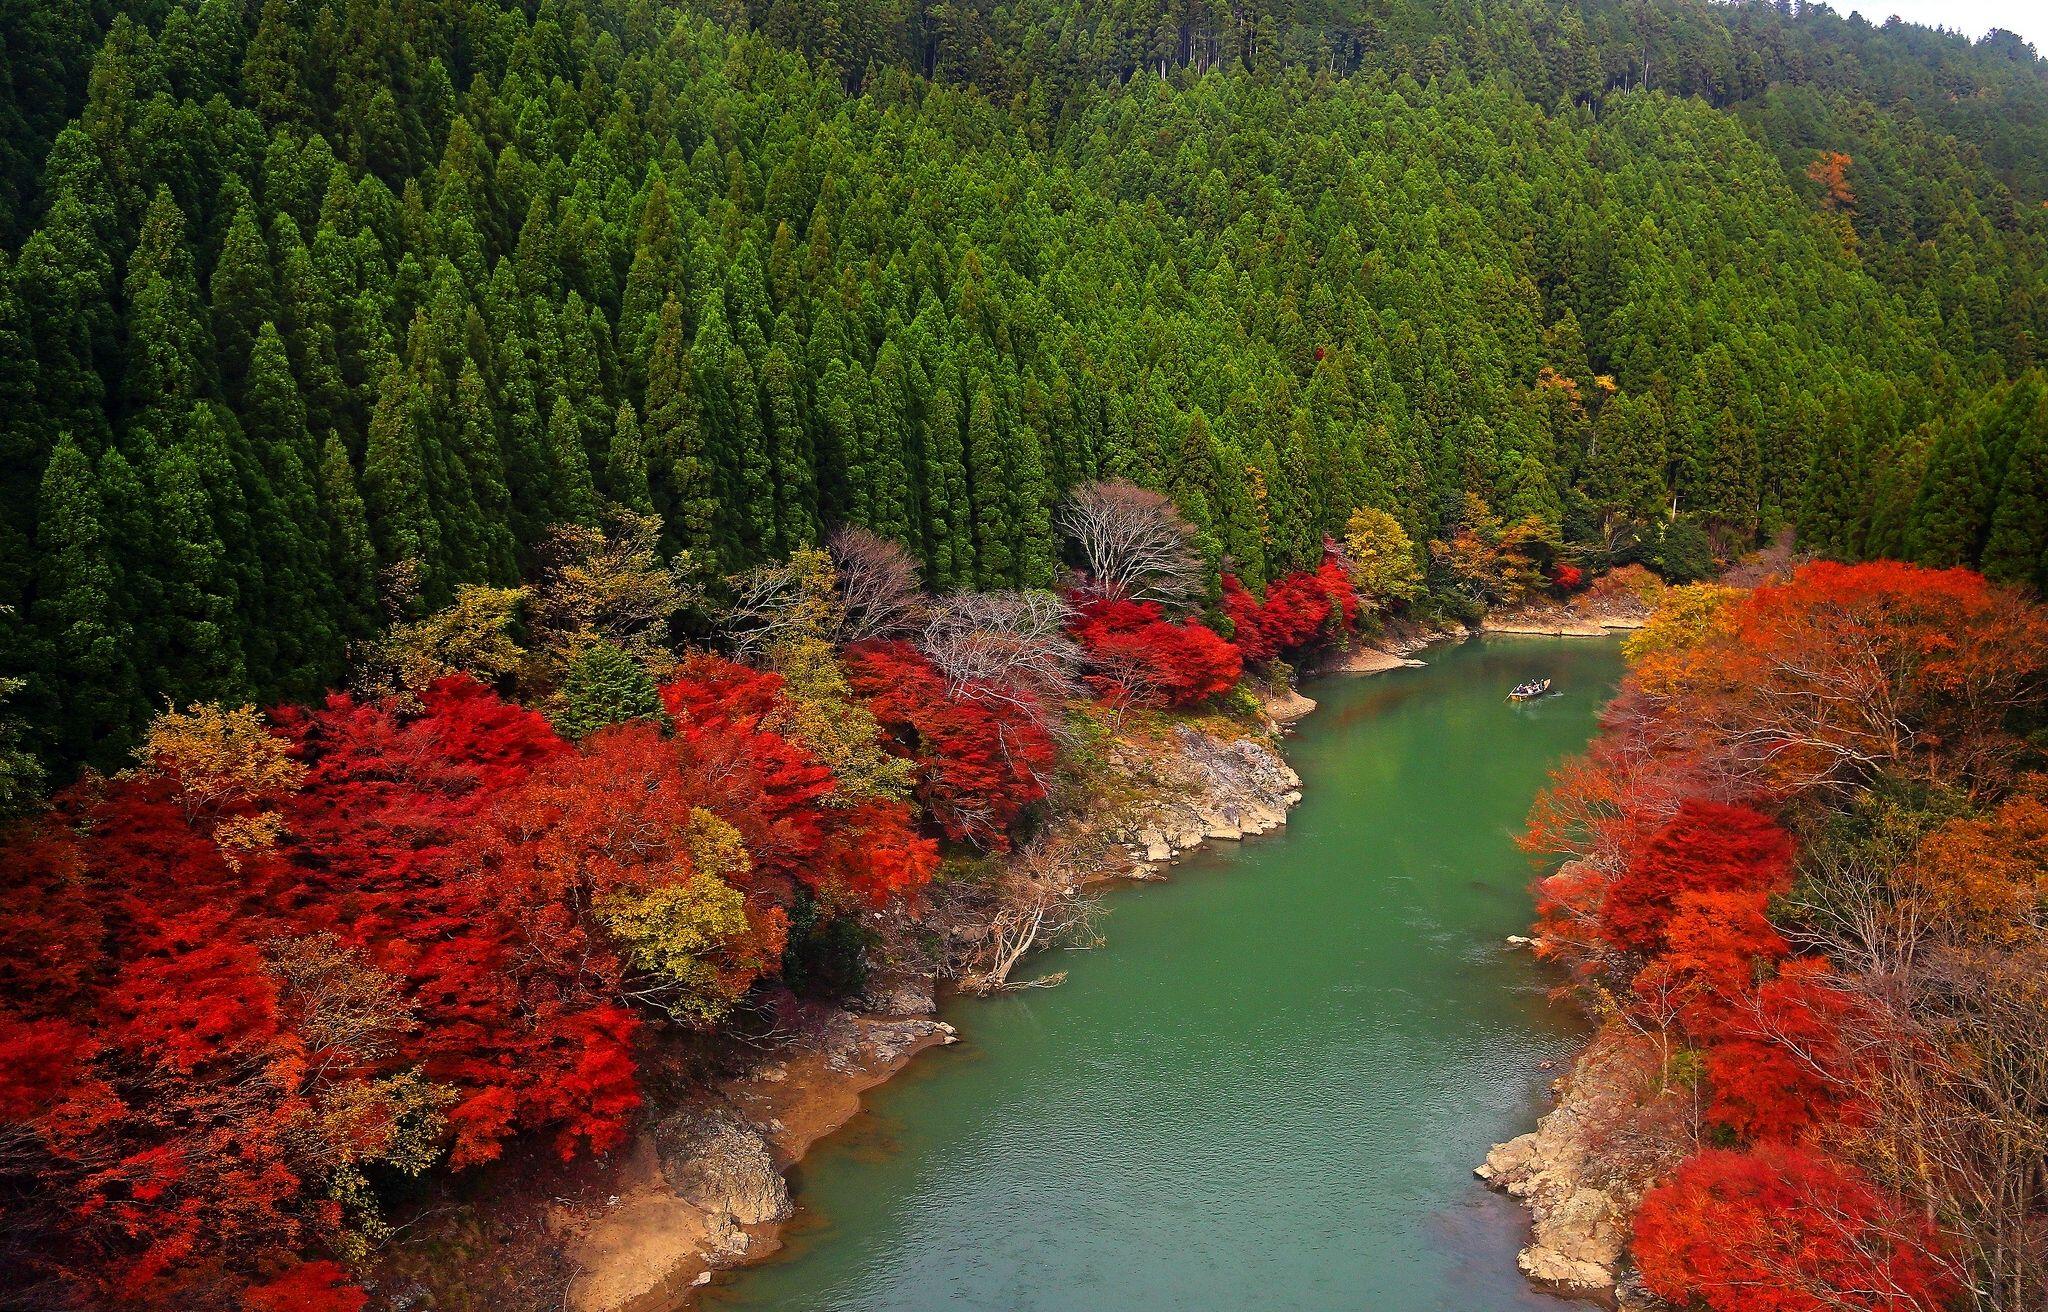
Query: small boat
1534	688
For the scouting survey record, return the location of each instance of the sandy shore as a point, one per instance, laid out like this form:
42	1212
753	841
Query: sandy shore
702	1189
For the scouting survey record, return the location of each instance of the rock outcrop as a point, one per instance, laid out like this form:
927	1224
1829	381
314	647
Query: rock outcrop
1579	1185
1220	789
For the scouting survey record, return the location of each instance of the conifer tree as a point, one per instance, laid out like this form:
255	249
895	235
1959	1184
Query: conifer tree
995	556
575	493
789	445
170	358
605	686
195	639
351	552
394	483
478	460
678	464
66	282
243	296
78	611
2017	549
1952	509
625	469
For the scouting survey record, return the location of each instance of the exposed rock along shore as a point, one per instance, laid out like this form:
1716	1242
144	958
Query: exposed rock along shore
1617	1127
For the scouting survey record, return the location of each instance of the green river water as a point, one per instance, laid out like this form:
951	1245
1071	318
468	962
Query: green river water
1269	1087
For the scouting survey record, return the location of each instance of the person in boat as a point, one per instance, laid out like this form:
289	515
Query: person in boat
1529	689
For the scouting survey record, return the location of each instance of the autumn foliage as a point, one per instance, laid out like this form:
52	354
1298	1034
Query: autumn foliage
1705	848
1137	656
452	930
983	754
1300	610
1722	843
1784	1229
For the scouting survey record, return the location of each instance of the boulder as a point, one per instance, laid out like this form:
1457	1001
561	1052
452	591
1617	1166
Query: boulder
719	1163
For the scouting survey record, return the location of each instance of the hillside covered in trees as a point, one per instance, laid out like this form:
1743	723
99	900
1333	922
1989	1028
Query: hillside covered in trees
313	312
681	481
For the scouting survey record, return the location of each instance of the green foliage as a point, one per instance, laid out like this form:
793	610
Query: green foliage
827	950
605	686
1684	552
323	290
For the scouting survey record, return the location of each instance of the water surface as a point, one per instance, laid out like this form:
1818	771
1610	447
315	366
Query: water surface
1269	1088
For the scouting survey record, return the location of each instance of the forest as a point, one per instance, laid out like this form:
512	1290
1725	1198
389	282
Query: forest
315	312
425	425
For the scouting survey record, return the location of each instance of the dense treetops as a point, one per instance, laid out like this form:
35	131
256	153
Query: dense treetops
316	312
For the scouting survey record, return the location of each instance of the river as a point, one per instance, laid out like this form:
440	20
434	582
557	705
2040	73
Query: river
1269	1087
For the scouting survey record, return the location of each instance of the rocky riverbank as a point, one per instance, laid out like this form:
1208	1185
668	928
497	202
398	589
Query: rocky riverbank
1587	1164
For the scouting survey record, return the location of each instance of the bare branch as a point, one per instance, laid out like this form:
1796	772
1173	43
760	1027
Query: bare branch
1135	544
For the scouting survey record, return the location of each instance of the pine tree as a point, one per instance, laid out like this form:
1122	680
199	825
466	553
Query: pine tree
947	515
351	553
271	69
394	483
679	468
605	686
66	282
789	445
170	356
195	638
1953	506
243	296
2017	550
625	468
297	588
482	460
994	532
24	449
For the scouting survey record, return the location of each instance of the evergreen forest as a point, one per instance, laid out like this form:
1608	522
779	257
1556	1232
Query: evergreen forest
313	311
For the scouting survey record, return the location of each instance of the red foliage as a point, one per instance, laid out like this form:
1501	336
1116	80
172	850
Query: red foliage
1244	612
982	756
1137	656
307	1287
1807	689
1706	848
1844	671
1784	1229
172	1024
1717	945
1780	1063
1300	610
1567	577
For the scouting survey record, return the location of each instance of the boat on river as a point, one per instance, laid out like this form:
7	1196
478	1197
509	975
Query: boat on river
1529	691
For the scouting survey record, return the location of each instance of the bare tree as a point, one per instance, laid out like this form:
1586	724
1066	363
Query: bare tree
1002	646
1134	542
879	591
780	602
1039	902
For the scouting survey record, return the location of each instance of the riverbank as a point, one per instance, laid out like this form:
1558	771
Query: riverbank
1613	1130
701	1189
